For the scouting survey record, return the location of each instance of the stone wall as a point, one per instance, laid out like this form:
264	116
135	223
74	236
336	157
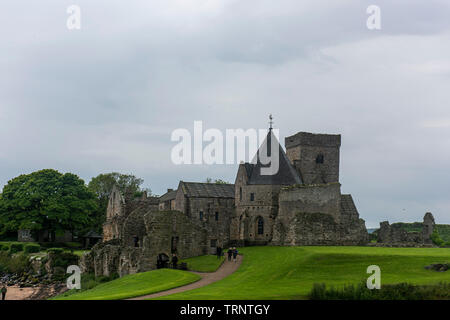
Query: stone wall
218	230
396	235
119	209
323	198
162	233
317	215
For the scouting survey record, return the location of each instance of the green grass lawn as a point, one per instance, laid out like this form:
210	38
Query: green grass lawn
290	272
208	263
135	285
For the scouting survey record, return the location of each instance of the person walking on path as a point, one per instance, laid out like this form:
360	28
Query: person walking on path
230	253
174	261
4	292
235	253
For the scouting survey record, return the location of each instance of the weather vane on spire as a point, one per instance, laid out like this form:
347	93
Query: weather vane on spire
270	122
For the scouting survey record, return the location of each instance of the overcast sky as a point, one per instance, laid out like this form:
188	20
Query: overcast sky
107	97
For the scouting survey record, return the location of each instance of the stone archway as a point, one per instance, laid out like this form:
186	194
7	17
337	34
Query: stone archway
162	261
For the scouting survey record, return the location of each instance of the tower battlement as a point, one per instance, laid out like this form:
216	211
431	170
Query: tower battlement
313	139
314	156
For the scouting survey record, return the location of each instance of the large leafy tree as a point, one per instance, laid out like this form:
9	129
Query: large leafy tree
102	186
46	200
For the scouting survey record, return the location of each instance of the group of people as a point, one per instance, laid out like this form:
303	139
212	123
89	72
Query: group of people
232	253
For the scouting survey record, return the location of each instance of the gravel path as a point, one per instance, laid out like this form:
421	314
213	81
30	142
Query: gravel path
227	268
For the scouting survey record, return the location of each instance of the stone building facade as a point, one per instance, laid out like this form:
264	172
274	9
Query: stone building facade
209	206
142	234
300	204
163	233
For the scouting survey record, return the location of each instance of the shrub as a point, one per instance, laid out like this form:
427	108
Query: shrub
55	250
32	248
436	238
63	259
73	245
15	247
53	244
401	291
14	264
68	245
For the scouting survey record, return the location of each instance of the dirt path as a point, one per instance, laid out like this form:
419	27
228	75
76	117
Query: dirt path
33	293
227	268
16	293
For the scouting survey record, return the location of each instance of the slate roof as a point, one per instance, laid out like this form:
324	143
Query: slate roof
171	195
207	190
348	205
286	174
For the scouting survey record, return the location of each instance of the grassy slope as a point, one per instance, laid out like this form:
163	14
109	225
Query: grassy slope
290	272
207	263
135	285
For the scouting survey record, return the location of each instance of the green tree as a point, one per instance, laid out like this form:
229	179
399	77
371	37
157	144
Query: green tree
102	186
46	200
216	181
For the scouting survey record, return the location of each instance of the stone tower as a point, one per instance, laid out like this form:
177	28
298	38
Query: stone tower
314	156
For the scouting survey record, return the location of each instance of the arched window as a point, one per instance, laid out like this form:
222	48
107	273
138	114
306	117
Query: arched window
240	193
260	225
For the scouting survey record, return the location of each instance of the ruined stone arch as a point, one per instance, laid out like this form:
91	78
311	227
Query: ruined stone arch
162	260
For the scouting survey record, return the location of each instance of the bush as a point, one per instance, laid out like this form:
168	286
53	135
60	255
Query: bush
69	245
14	264
15	247
436	238
32	248
63	259
55	250
401	291
73	245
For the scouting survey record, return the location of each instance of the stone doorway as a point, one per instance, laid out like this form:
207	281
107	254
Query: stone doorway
162	261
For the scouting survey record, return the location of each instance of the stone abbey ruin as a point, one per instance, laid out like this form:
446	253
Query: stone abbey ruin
301	204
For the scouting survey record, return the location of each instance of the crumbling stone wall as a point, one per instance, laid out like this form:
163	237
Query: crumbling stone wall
318	215
119	209
396	235
166	232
